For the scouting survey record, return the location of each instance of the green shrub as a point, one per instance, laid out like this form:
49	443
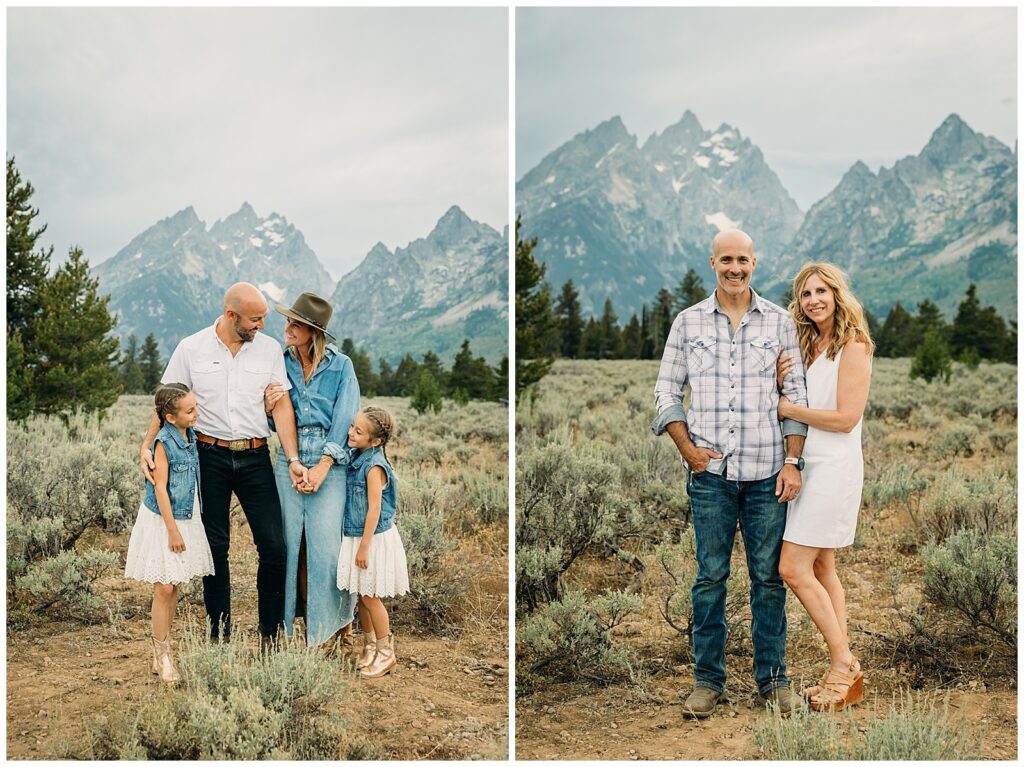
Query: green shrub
974	576
438	589
985	501
234	705
571	637
912	730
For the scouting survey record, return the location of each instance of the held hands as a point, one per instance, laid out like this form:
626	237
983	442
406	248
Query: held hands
783	367
174	540
299	476
271	395
787	486
363	556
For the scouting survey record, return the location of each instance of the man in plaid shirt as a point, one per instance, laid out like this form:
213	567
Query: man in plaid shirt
742	467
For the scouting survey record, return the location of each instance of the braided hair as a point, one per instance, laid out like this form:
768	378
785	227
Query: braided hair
167	396
383	425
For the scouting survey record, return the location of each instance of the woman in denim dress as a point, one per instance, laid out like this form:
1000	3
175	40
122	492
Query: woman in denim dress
325	396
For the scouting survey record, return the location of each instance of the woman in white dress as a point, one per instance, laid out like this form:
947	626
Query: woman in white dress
836	349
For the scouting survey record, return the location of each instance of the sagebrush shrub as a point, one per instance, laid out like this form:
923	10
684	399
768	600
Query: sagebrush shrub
985	501
571	637
974	577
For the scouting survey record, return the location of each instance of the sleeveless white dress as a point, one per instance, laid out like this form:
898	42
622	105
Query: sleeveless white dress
824	514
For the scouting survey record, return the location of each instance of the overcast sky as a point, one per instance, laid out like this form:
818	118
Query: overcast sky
815	88
358	125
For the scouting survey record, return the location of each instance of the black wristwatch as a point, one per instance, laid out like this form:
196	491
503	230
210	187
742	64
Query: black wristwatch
798	462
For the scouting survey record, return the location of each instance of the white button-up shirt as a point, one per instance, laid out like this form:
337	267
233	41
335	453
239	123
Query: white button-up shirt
229	389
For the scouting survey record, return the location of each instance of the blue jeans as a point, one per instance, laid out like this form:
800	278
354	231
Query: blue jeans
718	505
318	517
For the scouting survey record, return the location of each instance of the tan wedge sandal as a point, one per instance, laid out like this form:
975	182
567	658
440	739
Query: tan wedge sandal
841	689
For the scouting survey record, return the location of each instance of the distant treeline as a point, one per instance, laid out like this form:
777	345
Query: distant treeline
548	328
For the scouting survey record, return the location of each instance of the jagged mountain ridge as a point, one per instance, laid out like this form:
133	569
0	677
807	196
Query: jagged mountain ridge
170	281
623	221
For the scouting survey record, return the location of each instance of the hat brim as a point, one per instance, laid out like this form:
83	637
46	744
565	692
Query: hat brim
287	312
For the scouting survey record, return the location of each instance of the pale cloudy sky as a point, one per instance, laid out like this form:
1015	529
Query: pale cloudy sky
815	88
358	125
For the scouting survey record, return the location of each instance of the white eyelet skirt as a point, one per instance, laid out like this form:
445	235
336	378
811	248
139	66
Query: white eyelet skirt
387	574
150	559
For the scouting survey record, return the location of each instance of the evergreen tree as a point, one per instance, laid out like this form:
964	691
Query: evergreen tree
432	363
592	341
689	292
20	400
426	395
27	268
873	327
610	335
406	377
980	329
152	367
386	377
896	337
928	318
535	324
470	374
500	389
632	340
570	320
77	368
787	297
646	340
661	319
132	381
361	366
931	359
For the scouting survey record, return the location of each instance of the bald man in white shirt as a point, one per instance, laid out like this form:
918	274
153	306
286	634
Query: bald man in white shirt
228	366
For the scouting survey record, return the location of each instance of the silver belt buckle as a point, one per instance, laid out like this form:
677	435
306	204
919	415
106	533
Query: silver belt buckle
238	444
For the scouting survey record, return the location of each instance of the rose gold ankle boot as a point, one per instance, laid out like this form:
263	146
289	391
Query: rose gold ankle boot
369	650
164	662
383	661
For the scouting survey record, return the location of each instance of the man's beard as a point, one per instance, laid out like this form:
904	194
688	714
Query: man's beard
244	335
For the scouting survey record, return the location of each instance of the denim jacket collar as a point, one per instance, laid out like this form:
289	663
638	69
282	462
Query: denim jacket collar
172	431
291	361
357	459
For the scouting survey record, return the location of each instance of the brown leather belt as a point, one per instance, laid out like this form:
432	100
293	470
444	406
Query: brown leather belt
233	444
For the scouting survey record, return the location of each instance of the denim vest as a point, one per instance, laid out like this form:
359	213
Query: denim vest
356	502
182	472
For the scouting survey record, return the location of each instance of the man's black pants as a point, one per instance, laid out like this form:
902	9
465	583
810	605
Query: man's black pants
250	475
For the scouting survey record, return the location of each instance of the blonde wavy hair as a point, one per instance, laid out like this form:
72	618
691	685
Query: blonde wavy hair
848	324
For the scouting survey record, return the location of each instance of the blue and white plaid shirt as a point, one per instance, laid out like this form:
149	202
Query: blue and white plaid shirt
734	401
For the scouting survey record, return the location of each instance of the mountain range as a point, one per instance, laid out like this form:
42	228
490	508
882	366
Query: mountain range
623	220
450	285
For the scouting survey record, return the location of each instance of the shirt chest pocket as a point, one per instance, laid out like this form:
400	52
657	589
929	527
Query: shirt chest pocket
764	351
700	355
254	378
205	373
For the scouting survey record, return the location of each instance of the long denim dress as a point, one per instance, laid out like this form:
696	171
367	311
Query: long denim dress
324	409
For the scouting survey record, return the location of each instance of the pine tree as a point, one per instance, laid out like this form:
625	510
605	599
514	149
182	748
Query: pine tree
647	342
500	389
932	358
470	374
386	377
426	395
928	318
689	292
132	381
632	340
611	340
432	363
975	328
27	268
152	367
406	377
361	366
77	368
20	400
592	341
570	320
896	336
661	319
535	324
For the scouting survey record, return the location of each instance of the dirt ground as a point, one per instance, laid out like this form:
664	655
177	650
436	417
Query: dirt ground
448	699
570	720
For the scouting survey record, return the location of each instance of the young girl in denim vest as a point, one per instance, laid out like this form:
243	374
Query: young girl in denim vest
168	544
372	560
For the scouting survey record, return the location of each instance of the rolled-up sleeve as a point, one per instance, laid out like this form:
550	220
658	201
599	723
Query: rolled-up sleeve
346	405
672	377
794	385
